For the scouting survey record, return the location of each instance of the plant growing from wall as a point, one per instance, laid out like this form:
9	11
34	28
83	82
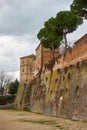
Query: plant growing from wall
49	36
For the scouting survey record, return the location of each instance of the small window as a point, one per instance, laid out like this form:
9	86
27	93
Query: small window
30	69
46	79
26	80
23	62
22	70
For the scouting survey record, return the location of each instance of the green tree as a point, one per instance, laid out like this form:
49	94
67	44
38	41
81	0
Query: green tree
49	36
13	87
79	7
67	22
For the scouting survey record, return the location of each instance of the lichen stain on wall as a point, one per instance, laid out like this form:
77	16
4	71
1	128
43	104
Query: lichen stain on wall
62	92
60	86
51	85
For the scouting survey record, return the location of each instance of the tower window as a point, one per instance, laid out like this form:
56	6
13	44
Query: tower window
30	69
23	62
22	70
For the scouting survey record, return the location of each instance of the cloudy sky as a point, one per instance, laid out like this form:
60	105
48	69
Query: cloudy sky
20	21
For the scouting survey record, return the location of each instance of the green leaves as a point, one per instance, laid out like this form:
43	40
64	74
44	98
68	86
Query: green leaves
55	29
13	87
67	21
49	34
79	7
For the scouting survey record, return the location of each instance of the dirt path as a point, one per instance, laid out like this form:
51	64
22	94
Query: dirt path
19	120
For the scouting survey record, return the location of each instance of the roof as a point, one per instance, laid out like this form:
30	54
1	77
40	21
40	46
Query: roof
38	46
83	37
29	56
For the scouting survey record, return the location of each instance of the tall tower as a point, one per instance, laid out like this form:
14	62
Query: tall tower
27	68
26	75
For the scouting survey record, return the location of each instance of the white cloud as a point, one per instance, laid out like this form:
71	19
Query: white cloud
25	17
81	30
14	75
12	48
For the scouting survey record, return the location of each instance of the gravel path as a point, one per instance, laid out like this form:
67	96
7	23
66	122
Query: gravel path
20	120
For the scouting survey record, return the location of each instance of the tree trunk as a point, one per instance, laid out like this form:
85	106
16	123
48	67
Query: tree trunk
40	71
53	50
65	40
85	15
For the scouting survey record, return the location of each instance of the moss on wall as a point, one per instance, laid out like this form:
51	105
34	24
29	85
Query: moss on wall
65	92
61	92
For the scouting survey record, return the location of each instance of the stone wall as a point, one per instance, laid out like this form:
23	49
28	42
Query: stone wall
62	93
43	55
72	55
61	88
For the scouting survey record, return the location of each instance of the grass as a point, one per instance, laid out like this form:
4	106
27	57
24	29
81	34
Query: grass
46	122
74	119
59	126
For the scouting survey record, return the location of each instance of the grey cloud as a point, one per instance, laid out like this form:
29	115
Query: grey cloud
21	20
8	64
12	48
20	17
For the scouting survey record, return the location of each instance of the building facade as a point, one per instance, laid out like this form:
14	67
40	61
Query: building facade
27	68
31	65
43	55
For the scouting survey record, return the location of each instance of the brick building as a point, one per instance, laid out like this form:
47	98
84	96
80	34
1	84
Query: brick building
30	65
43	55
62	88
27	68
73	55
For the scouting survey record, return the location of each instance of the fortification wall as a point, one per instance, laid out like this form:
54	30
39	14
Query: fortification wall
71	56
62	93
61	89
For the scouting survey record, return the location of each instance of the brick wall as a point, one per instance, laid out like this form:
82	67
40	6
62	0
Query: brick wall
43	55
26	68
72	55
64	91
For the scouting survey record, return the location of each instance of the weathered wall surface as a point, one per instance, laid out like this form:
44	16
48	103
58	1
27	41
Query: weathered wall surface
63	92
27	68
23	97
61	88
43	55
72	55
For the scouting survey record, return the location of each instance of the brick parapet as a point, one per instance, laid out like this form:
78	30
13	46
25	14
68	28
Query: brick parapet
72	55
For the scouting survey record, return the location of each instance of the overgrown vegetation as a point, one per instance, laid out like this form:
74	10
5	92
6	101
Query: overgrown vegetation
56	29
41	121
